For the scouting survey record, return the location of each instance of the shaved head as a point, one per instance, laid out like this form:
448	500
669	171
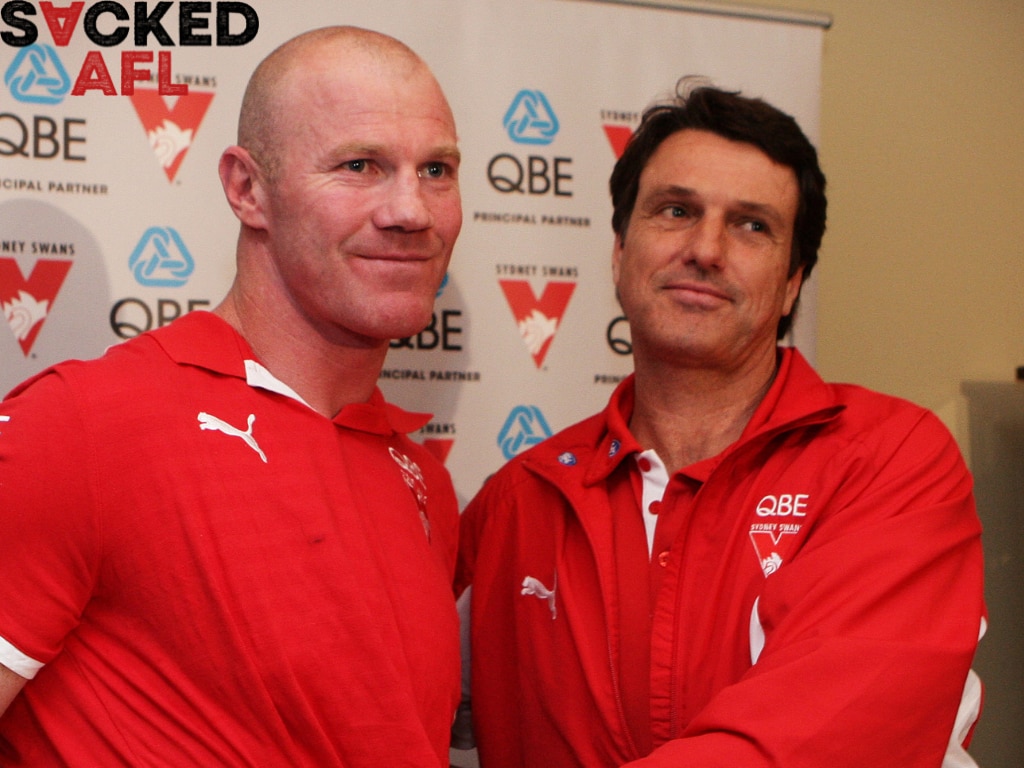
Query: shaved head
345	181
267	95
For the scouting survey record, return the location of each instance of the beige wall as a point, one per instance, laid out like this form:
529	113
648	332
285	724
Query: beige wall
921	282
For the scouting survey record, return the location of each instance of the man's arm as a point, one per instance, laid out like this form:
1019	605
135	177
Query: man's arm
48	557
11	684
870	630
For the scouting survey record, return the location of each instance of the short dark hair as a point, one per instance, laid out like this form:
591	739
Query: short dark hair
737	118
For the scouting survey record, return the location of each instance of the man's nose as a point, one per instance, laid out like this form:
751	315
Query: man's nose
404	205
705	244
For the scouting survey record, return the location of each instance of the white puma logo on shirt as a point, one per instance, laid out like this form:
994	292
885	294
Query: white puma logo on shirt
206	421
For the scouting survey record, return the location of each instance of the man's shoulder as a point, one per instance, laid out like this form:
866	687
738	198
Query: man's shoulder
872	410
580	439
547	461
117	361
891	433
141	363
862	409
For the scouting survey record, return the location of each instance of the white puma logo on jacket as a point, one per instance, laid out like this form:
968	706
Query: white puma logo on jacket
532	586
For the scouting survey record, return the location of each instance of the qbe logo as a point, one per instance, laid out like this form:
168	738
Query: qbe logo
530	119
161	260
37	76
524	428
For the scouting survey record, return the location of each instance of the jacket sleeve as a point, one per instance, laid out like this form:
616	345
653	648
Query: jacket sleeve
868	632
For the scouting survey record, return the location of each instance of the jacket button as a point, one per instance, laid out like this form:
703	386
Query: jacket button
654	507
644	464
663	559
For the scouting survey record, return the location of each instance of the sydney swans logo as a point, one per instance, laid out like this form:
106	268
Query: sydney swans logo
26	302
537	318
171	131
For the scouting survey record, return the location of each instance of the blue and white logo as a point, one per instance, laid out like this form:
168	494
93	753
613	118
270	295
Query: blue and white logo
524	428
161	259
36	76
530	119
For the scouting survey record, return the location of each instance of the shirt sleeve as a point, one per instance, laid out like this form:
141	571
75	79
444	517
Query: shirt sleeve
48	532
869	631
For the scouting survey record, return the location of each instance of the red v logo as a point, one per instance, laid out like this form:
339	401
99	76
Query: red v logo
61	21
26	303
618	137
537	319
771	551
171	131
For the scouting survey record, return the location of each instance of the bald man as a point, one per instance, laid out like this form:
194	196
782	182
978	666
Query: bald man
219	547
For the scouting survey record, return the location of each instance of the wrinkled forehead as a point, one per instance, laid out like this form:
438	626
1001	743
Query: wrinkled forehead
709	161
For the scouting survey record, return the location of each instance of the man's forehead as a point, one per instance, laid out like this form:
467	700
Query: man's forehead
692	142
355	96
691	159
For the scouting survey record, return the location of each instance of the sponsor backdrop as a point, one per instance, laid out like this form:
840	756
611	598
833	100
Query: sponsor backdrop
113	116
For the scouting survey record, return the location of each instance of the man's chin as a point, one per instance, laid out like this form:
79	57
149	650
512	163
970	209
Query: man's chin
407	325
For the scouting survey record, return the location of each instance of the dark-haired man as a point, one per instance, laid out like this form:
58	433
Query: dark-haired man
735	564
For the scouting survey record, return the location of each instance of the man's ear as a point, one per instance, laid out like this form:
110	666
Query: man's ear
243	186
793	285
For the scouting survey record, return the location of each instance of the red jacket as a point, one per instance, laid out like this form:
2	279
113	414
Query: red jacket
836	543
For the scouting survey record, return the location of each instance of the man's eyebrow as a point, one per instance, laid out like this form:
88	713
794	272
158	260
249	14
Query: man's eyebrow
448	152
358	148
659	195
352	151
672	190
767	210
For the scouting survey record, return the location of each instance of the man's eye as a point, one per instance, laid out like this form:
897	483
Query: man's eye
357	166
675	211
434	170
756	226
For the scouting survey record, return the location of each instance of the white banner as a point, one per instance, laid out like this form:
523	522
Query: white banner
112	219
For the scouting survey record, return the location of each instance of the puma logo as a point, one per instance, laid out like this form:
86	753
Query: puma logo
206	421
532	586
